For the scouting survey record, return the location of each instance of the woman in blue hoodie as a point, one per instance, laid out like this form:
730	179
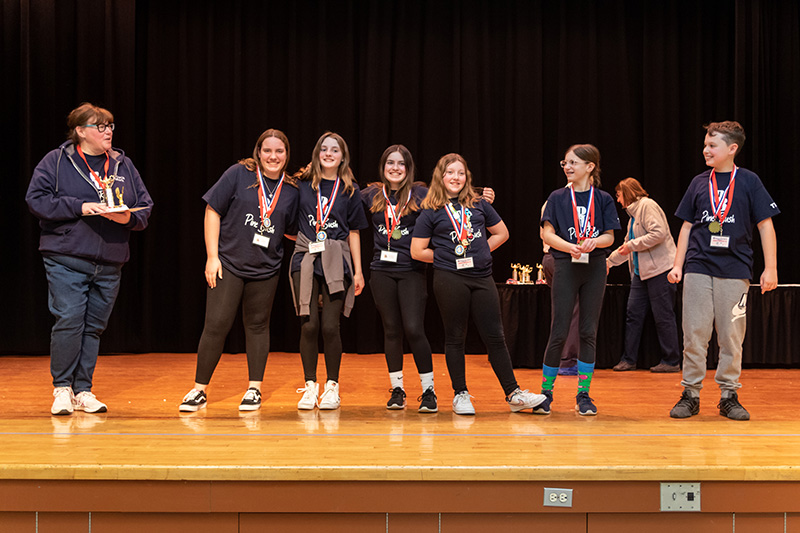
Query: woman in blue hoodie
88	197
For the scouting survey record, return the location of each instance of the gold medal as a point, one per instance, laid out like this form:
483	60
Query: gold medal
396	234
715	227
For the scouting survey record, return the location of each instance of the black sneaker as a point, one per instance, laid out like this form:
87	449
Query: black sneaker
427	402
398	399
584	405
194	400
687	406
544	407
251	400
731	408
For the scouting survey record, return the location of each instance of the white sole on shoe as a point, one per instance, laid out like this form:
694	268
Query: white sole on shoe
191	408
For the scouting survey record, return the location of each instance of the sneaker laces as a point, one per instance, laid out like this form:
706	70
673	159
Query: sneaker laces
83	397
193	394
427	394
729	403
58	391
519	393
251	395
463	397
687	401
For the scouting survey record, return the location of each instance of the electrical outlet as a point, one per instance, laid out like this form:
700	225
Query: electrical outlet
557	497
680	496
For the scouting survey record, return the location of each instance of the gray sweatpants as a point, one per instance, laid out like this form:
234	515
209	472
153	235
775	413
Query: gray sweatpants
710	302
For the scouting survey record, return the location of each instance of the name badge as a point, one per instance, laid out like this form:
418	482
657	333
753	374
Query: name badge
316	247
464	262
584	258
720	241
261	240
391	257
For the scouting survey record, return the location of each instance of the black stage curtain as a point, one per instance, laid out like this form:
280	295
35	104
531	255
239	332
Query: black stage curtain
509	84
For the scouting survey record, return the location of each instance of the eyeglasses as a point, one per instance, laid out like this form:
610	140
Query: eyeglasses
102	127
570	162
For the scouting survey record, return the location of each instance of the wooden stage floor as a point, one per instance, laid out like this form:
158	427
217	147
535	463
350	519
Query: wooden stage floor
144	437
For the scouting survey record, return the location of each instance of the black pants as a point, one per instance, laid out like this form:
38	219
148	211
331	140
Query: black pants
459	297
221	303
658	295
332	305
400	298
569	357
585	283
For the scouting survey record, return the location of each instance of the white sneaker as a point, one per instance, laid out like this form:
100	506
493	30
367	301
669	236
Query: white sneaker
86	401
64	402
310	393
330	398
522	399
462	405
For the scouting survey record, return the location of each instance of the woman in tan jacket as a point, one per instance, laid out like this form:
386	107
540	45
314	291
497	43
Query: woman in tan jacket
649	250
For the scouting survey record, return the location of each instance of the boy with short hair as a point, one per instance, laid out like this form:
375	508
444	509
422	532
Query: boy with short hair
715	259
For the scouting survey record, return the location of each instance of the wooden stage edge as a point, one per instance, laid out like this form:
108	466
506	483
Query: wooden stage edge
127	472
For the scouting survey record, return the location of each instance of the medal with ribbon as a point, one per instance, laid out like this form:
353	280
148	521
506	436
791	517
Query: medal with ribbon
585	230
101	184
726	200
323	214
392	217
461	225
266	205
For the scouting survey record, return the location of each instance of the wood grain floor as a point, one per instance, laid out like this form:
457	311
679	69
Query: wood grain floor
144	437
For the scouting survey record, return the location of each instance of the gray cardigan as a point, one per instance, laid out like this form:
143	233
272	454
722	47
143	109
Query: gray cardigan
651	240
332	267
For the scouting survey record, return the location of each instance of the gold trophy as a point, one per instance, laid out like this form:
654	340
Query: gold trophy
526	274
540	274
119	197
514	273
108	181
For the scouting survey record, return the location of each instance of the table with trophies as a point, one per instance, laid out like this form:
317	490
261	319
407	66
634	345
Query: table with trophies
771	338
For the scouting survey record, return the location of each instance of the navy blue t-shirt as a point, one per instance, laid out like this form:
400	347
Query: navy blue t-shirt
235	198
406	226
436	226
751	205
346	215
558	212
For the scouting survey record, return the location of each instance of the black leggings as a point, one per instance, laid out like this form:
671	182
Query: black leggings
400	298
221	303
310	326
587	284
459	297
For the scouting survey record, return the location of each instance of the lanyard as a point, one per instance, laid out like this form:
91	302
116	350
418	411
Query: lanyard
459	225
583	231
323	214
101	183
267	205
392	216
726	196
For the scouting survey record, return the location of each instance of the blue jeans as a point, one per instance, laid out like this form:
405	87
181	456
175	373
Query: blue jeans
81	295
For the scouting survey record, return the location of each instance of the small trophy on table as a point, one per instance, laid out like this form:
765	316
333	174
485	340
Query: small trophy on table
514	274
540	274
526	274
